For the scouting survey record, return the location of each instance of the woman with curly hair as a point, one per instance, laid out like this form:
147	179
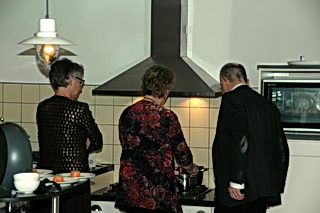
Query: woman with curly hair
151	140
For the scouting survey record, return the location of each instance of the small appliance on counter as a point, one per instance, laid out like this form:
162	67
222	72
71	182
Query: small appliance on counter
15	153
303	62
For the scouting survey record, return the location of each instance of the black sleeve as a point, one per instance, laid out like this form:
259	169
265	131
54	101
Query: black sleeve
284	160
92	129
237	127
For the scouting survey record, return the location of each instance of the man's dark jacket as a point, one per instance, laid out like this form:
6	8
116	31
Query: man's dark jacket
249	147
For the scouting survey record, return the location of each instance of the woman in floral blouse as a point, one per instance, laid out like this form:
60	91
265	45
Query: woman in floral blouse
151	140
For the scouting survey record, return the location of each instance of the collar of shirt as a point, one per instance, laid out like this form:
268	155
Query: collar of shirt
237	85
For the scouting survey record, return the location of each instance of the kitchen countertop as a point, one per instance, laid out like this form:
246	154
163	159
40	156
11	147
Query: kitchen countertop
66	199
102	168
208	199
98	170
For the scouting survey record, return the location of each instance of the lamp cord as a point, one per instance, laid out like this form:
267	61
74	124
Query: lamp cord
47	8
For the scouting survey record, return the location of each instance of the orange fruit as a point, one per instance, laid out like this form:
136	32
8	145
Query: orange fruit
75	173
58	178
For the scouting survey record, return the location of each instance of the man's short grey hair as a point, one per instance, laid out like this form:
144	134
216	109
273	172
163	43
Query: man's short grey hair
234	72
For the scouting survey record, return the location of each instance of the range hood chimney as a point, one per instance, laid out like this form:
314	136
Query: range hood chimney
169	48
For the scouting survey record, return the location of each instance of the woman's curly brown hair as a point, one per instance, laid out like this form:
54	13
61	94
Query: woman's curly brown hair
156	80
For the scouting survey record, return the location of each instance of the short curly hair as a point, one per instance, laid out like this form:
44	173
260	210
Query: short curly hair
156	80
60	71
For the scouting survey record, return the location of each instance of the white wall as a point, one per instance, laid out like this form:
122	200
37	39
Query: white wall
252	32
112	35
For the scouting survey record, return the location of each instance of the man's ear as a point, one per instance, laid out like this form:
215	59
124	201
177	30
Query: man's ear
224	80
69	80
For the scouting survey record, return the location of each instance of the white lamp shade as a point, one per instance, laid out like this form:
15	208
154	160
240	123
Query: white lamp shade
45	40
46	35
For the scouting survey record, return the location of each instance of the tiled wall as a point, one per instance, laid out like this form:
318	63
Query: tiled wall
198	117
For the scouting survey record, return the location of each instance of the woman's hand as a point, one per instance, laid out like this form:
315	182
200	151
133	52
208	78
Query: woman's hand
192	169
88	142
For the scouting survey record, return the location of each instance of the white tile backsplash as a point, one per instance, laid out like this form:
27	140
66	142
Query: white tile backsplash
107	133
104	114
30	93
197	117
86	95
199	102
1	92
201	156
106	155
46	91
12	112
32	131
180	102
122	101
29	112
183	115
12	93
199	137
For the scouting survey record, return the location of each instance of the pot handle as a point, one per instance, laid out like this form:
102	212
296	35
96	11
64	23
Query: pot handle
202	169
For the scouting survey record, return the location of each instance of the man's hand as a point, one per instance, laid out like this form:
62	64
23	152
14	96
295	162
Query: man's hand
235	193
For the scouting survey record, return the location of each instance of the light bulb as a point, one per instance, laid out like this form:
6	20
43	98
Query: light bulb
49	50
48	53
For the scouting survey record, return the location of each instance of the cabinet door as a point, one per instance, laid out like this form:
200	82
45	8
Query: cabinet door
302	186
108	207
103	207
196	209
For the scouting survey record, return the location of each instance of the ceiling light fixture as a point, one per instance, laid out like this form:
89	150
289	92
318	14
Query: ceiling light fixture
46	42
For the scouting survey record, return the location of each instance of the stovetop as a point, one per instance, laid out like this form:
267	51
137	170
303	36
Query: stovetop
196	192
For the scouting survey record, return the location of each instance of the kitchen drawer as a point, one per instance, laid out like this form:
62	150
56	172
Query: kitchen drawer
197	209
108	207
103	207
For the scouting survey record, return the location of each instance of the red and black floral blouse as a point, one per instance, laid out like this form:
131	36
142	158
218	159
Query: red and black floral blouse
151	140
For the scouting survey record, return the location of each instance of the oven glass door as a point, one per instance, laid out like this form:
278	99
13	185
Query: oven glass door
298	102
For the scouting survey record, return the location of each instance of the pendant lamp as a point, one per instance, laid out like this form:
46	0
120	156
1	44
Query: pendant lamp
46	43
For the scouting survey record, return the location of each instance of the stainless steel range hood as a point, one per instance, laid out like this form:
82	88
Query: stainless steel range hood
168	47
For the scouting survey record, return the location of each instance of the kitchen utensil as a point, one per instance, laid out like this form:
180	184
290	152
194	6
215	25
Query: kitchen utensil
44	171
66	182
26	176
199	176
187	181
15	153
184	182
26	186
83	175
303	63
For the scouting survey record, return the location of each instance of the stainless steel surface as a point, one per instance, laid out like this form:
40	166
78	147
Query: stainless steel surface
184	182
168	47
55	204
17	155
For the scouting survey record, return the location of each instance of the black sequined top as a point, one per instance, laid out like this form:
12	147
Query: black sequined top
63	128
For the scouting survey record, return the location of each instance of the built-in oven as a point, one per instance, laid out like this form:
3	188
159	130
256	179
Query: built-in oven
298	101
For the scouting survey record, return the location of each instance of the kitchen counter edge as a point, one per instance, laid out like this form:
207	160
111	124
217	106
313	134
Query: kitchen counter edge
206	201
102	168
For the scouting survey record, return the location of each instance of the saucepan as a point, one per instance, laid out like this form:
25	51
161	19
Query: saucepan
186	181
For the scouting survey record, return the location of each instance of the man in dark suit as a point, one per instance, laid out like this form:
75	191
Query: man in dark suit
250	151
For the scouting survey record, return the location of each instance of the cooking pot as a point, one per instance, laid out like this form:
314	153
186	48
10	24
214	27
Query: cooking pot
15	153
186	180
